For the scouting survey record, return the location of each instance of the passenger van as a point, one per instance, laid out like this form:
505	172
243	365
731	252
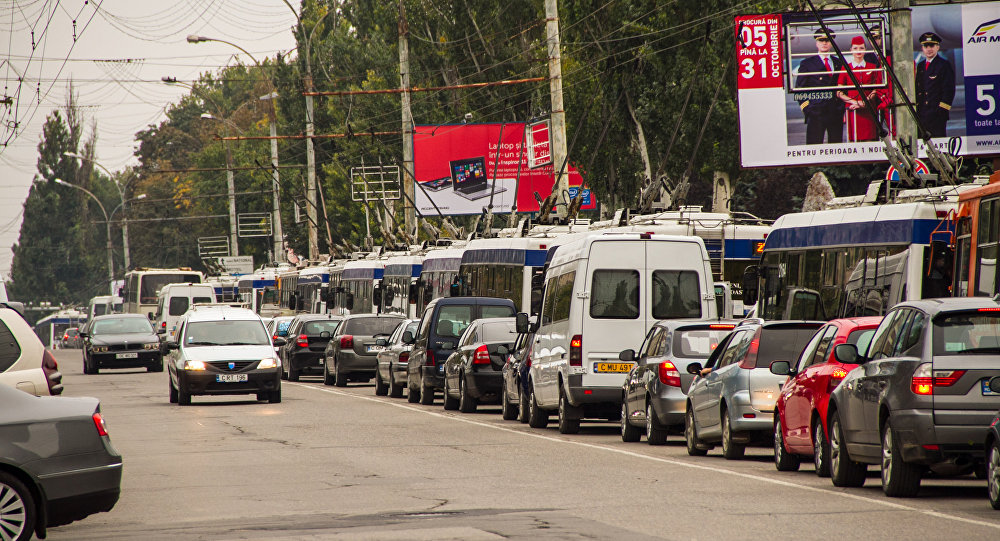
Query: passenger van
175	299
603	293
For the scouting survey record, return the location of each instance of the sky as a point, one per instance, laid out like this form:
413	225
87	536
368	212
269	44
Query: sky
115	52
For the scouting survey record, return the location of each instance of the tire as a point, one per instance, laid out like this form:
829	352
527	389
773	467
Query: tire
381	389
274	397
844	472
522	406
821	450
566	425
783	460
694	447
284	370
183	398
17	521
730	449
426	395
507	410
449	402
899	479
993	475
173	391
86	366
412	394
656	434
156	367
293	373
629	433
537	417
328	378
339	377
395	389
466	402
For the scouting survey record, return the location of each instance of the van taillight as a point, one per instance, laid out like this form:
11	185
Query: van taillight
924	380
302	341
430	358
347	341
482	355
576	350
163	325
750	361
102	428
669	375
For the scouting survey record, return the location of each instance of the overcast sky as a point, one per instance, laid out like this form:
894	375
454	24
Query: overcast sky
115	54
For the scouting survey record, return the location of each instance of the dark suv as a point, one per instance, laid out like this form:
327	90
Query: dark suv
442	324
921	398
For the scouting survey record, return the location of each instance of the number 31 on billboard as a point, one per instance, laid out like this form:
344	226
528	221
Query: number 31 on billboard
758	51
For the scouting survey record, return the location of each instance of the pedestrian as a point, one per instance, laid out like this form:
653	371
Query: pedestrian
824	112
935	86
861	124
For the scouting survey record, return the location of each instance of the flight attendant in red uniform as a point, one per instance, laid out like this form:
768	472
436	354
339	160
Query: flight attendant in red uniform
860	122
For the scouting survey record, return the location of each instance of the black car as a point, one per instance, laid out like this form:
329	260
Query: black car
308	335
351	354
391	361
993	453
442	324
472	374
513	396
120	341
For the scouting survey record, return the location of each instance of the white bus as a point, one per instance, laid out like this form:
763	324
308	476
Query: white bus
142	286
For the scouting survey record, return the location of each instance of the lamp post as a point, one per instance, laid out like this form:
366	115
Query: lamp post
107	224
125	225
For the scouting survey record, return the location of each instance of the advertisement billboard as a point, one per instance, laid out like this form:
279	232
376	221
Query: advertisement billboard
463	168
798	106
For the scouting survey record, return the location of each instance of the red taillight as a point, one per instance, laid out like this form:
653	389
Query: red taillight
931	447
989	309
750	361
102	429
347	341
721	326
65	337
669	375
163	325
302	341
275	337
404	357
429	361
482	355
576	350
924	380
836	377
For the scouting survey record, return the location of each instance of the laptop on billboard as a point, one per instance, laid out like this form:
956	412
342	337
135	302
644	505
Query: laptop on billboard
469	180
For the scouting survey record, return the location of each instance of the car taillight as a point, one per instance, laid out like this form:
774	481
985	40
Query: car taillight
65	337
163	325
404	357
303	341
527	359
924	380
750	361
576	350
669	375
347	341
53	378
429	361
102	429
836	377
482	355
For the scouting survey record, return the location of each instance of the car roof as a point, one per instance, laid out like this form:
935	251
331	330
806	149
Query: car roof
932	306
215	313
671	324
488	301
356	316
312	317
119	316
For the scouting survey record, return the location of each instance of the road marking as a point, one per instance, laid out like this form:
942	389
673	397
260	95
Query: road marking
779	482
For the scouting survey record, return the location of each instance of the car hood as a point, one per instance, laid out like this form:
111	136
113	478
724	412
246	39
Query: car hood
132	338
229	353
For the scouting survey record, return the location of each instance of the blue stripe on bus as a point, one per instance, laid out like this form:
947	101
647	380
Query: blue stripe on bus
372	273
741	248
407	269
504	256
256	284
442	264
853	234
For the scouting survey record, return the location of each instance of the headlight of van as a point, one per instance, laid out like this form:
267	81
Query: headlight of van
194	365
268	363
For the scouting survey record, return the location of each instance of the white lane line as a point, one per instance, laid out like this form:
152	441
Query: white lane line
892	505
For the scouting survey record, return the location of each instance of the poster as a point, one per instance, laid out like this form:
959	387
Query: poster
798	106
463	168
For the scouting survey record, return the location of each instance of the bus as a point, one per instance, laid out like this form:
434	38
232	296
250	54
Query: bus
437	273
50	329
977	236
143	285
259	292
355	292
226	287
311	287
399	284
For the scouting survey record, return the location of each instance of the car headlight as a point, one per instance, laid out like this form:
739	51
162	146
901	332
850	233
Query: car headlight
99	349
268	363
153	345
194	365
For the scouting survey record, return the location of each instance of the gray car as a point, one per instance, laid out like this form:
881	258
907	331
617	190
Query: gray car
390	377
921	398
57	463
352	353
654	395
733	401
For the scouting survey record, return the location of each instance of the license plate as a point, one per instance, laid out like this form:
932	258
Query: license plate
617	368
374	349
321	361
231	378
127	356
986	388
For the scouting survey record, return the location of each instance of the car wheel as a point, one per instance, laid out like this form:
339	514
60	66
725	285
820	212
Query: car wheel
522	406
899	479
566	424
507	410
537	417
395	389
694	447
17	516
656	434
173	391
183	397
449	402
412	393
466	402
993	474
629	433
339	377
821	450
844	472
86	366
381	389
293	373
327	376
284	370
426	395
783	460
730	449
274	397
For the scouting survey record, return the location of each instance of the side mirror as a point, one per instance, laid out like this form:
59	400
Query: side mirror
160	330
447	346
150	315
846	354
172	345
324	334
279	341
781	368
502	350
83	334
749	283
381	342
627	355
521	323
408	337
455	290
694	368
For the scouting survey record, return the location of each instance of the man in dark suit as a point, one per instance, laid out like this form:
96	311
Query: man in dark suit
824	112
935	86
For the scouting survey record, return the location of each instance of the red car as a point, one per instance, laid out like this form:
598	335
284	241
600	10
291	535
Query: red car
800	426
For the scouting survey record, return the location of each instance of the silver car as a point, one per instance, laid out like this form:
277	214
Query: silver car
390	376
732	398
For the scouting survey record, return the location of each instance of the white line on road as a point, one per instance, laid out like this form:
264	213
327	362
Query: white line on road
893	505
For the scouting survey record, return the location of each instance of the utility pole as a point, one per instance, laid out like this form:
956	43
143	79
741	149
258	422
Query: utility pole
901	30
310	164
409	216
278	234
231	187
557	114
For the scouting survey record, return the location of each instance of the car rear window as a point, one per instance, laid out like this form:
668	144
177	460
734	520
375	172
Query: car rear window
501	331
967	333
783	343
203	300
861	339
697	343
453	319
316	327
10	351
370	326
614	294
491	311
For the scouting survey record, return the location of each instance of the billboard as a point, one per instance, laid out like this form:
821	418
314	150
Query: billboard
798	106
463	168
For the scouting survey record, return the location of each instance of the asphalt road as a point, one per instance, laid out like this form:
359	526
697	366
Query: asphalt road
332	463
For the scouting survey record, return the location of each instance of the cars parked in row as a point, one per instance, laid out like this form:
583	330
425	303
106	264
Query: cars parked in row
304	350
513	403
278	326
472	374
71	338
352	353
121	341
390	373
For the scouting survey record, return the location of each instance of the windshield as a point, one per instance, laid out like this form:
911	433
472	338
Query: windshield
698	344
226	333
125	325
317	327
370	326
967	333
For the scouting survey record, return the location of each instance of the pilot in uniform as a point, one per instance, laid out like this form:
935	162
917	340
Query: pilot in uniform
824	115
935	86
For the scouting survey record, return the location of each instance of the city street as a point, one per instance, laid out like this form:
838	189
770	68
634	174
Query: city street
331	463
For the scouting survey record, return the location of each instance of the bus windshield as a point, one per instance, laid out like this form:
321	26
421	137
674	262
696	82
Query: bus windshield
151	284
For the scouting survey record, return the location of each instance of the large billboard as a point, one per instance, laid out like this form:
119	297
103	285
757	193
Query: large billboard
463	168
798	106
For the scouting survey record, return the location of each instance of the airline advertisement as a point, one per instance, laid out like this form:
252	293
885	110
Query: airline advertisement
798	105
464	168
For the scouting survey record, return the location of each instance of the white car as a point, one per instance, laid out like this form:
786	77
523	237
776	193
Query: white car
25	364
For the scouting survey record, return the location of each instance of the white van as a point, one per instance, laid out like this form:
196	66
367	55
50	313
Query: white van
175	299
602	294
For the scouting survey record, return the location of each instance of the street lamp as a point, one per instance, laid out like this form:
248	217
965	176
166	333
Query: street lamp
107	224
121	196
